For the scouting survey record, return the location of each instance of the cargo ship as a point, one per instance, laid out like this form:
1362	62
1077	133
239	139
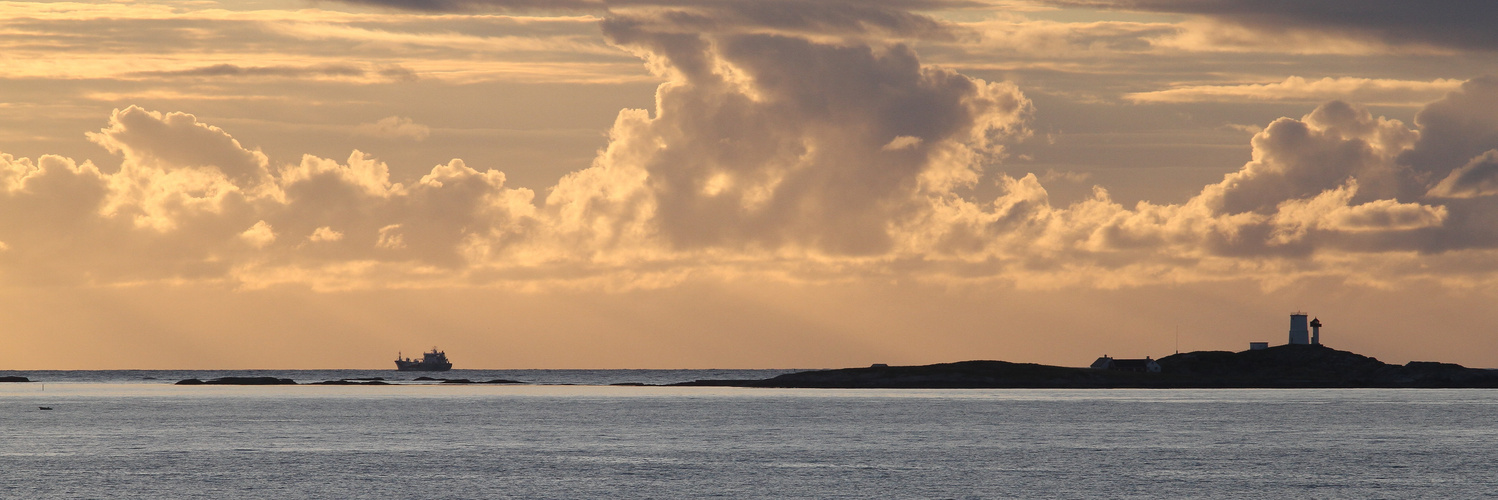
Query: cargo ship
435	361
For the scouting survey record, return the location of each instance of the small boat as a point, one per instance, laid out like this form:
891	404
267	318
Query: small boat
44	407
435	361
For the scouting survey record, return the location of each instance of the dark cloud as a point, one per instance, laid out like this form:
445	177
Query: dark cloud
1455	129
1459	24
600	5
1478	177
488	5
897	17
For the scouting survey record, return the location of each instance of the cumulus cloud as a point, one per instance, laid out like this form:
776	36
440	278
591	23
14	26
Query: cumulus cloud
1301	158
768	151
749	149
189	202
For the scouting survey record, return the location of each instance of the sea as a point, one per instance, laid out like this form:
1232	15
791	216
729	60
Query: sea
570	434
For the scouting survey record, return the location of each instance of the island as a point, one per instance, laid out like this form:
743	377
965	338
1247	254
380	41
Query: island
239	381
1285	366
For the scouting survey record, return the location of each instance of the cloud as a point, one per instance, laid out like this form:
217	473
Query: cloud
1478	177
319	71
805	17
770	153
190	203
1333	211
1297	89
1460	24
325	233
902	142
1020	36
332	70
260	235
1060	176
749	150
208	49
491	5
1301	158
1456	128
394	127
177	141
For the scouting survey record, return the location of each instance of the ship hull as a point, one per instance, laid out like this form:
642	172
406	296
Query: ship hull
416	366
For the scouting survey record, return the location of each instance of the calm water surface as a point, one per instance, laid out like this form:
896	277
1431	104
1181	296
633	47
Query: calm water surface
132	438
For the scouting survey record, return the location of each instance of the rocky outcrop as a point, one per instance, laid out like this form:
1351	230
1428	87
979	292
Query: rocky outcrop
352	382
239	381
466	381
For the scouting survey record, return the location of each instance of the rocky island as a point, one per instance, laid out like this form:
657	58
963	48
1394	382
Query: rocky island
1286	366
239	381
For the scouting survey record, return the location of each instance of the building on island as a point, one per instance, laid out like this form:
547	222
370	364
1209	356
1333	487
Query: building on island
1301	332
1145	365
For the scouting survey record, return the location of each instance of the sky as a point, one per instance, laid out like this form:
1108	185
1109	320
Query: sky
286	184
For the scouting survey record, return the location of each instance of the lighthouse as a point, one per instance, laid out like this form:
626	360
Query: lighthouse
1299	334
1315	331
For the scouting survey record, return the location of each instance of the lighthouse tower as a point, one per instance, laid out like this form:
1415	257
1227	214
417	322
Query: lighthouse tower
1315	331
1299	334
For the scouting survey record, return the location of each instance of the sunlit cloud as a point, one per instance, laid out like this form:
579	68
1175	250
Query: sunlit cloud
1298	89
56	41
786	142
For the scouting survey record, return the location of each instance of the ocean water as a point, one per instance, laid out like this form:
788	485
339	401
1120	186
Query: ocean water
124	436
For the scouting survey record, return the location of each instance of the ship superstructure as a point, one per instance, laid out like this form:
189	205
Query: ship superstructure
434	361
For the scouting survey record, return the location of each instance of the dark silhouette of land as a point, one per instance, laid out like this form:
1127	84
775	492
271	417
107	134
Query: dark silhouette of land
351	382
239	381
347	381
1286	366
